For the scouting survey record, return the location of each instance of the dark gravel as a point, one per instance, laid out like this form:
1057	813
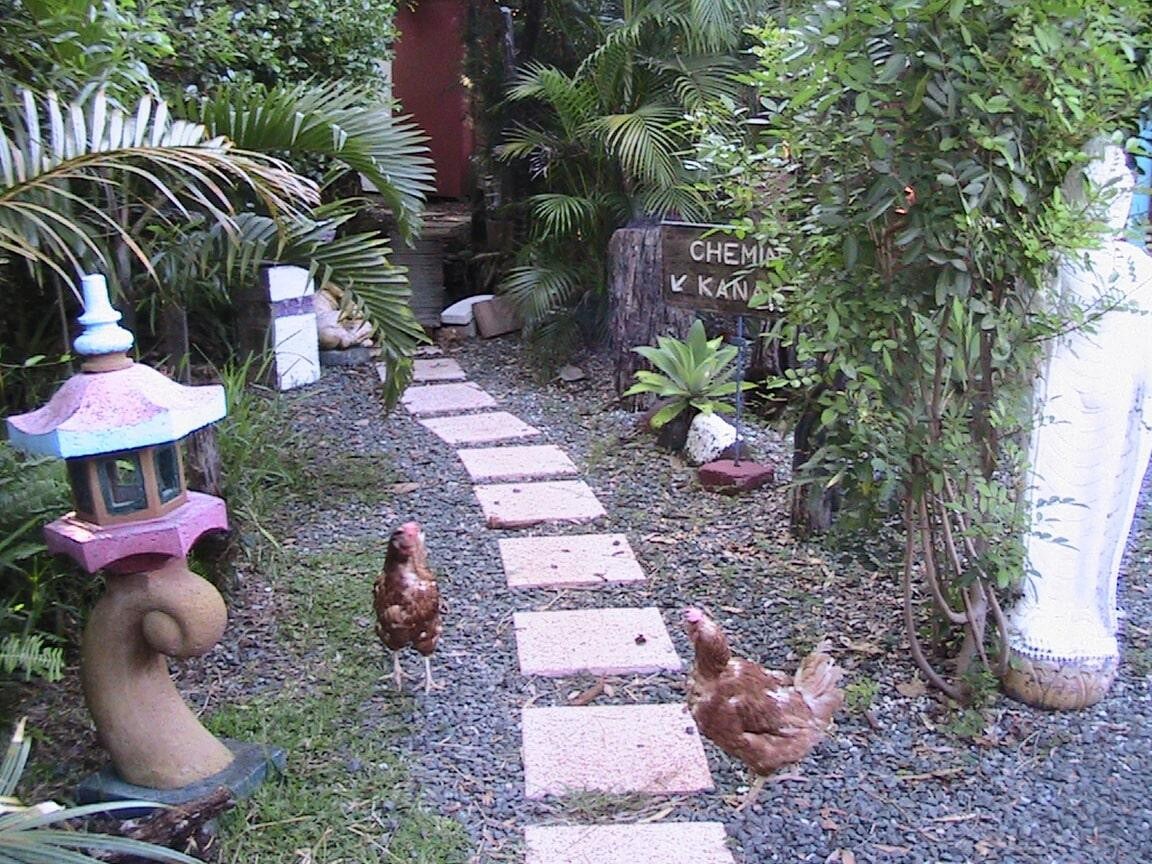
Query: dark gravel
902	779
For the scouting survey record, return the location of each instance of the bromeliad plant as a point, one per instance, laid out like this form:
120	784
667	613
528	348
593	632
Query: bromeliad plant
41	833
692	376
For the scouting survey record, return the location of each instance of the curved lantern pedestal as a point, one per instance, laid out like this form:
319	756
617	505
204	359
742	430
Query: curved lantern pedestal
142	721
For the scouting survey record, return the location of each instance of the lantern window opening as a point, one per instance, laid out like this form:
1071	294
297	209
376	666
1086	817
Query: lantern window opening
169	472
122	483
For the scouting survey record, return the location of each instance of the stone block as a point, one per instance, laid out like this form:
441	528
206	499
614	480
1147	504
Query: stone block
594	642
655	843
569	561
526	462
615	749
729	477
708	437
495	317
479	428
522	505
436	369
427	400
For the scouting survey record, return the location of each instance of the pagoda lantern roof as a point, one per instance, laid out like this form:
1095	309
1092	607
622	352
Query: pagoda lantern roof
114	404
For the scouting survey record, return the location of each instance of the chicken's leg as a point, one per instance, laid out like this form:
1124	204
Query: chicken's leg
428	682
397	672
753	792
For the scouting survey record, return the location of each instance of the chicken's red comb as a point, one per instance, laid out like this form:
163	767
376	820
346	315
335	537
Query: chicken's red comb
693	615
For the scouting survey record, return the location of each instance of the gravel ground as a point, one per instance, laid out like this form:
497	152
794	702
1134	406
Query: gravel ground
901	779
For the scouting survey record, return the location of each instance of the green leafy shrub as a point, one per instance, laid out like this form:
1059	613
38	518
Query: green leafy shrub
695	374
36	590
279	43
925	143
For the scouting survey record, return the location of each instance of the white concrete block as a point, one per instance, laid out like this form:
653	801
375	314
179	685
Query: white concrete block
287	282
459	314
296	350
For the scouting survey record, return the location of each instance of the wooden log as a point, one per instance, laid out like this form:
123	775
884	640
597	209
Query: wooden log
637	311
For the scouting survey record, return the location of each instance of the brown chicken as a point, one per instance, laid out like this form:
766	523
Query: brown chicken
407	600
764	718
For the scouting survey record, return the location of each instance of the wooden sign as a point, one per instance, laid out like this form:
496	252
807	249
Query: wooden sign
704	268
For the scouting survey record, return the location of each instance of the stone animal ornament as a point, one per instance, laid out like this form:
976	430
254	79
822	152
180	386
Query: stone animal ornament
765	718
406	600
1088	455
338	327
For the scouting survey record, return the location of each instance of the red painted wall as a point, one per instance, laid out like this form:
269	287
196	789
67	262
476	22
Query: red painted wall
426	73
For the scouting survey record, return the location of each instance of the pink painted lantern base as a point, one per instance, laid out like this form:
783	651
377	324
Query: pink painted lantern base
134	547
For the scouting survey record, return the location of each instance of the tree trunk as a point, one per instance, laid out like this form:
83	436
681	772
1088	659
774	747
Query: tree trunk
638	310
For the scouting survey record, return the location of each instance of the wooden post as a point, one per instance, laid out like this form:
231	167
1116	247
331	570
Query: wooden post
638	312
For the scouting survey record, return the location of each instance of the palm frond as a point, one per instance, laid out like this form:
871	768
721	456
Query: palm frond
63	167
540	290
644	141
347	123
561	214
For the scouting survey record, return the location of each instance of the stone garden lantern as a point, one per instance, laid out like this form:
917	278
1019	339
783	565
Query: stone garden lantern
118	425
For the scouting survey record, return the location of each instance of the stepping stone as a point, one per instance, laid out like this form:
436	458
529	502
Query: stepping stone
569	561
656	843
437	369
479	428
426	400
594	641
616	749
522	505
486	464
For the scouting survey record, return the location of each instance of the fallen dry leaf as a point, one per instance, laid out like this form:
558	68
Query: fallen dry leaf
403	488
912	689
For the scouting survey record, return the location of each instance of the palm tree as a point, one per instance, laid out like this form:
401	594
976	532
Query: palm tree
610	141
86	186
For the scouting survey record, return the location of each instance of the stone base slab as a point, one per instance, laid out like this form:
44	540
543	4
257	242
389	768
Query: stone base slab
569	561
594	642
250	767
657	843
615	749
1059	684
522	505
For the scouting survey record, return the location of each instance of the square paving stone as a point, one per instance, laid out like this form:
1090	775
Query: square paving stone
569	561
436	369
594	641
479	428
522	505
617	749
426	400
524	462
656	843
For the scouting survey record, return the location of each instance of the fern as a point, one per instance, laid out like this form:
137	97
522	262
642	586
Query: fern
30	655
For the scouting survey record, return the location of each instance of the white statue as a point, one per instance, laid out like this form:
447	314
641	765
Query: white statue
1088	456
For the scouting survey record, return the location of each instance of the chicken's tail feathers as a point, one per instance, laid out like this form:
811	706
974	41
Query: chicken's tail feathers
817	680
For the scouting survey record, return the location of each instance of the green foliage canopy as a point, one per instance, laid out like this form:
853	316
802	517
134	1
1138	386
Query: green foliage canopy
924	144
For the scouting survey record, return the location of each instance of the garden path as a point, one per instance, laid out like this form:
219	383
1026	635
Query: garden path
618	749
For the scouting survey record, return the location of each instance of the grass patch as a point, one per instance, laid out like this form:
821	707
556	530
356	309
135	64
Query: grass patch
344	798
